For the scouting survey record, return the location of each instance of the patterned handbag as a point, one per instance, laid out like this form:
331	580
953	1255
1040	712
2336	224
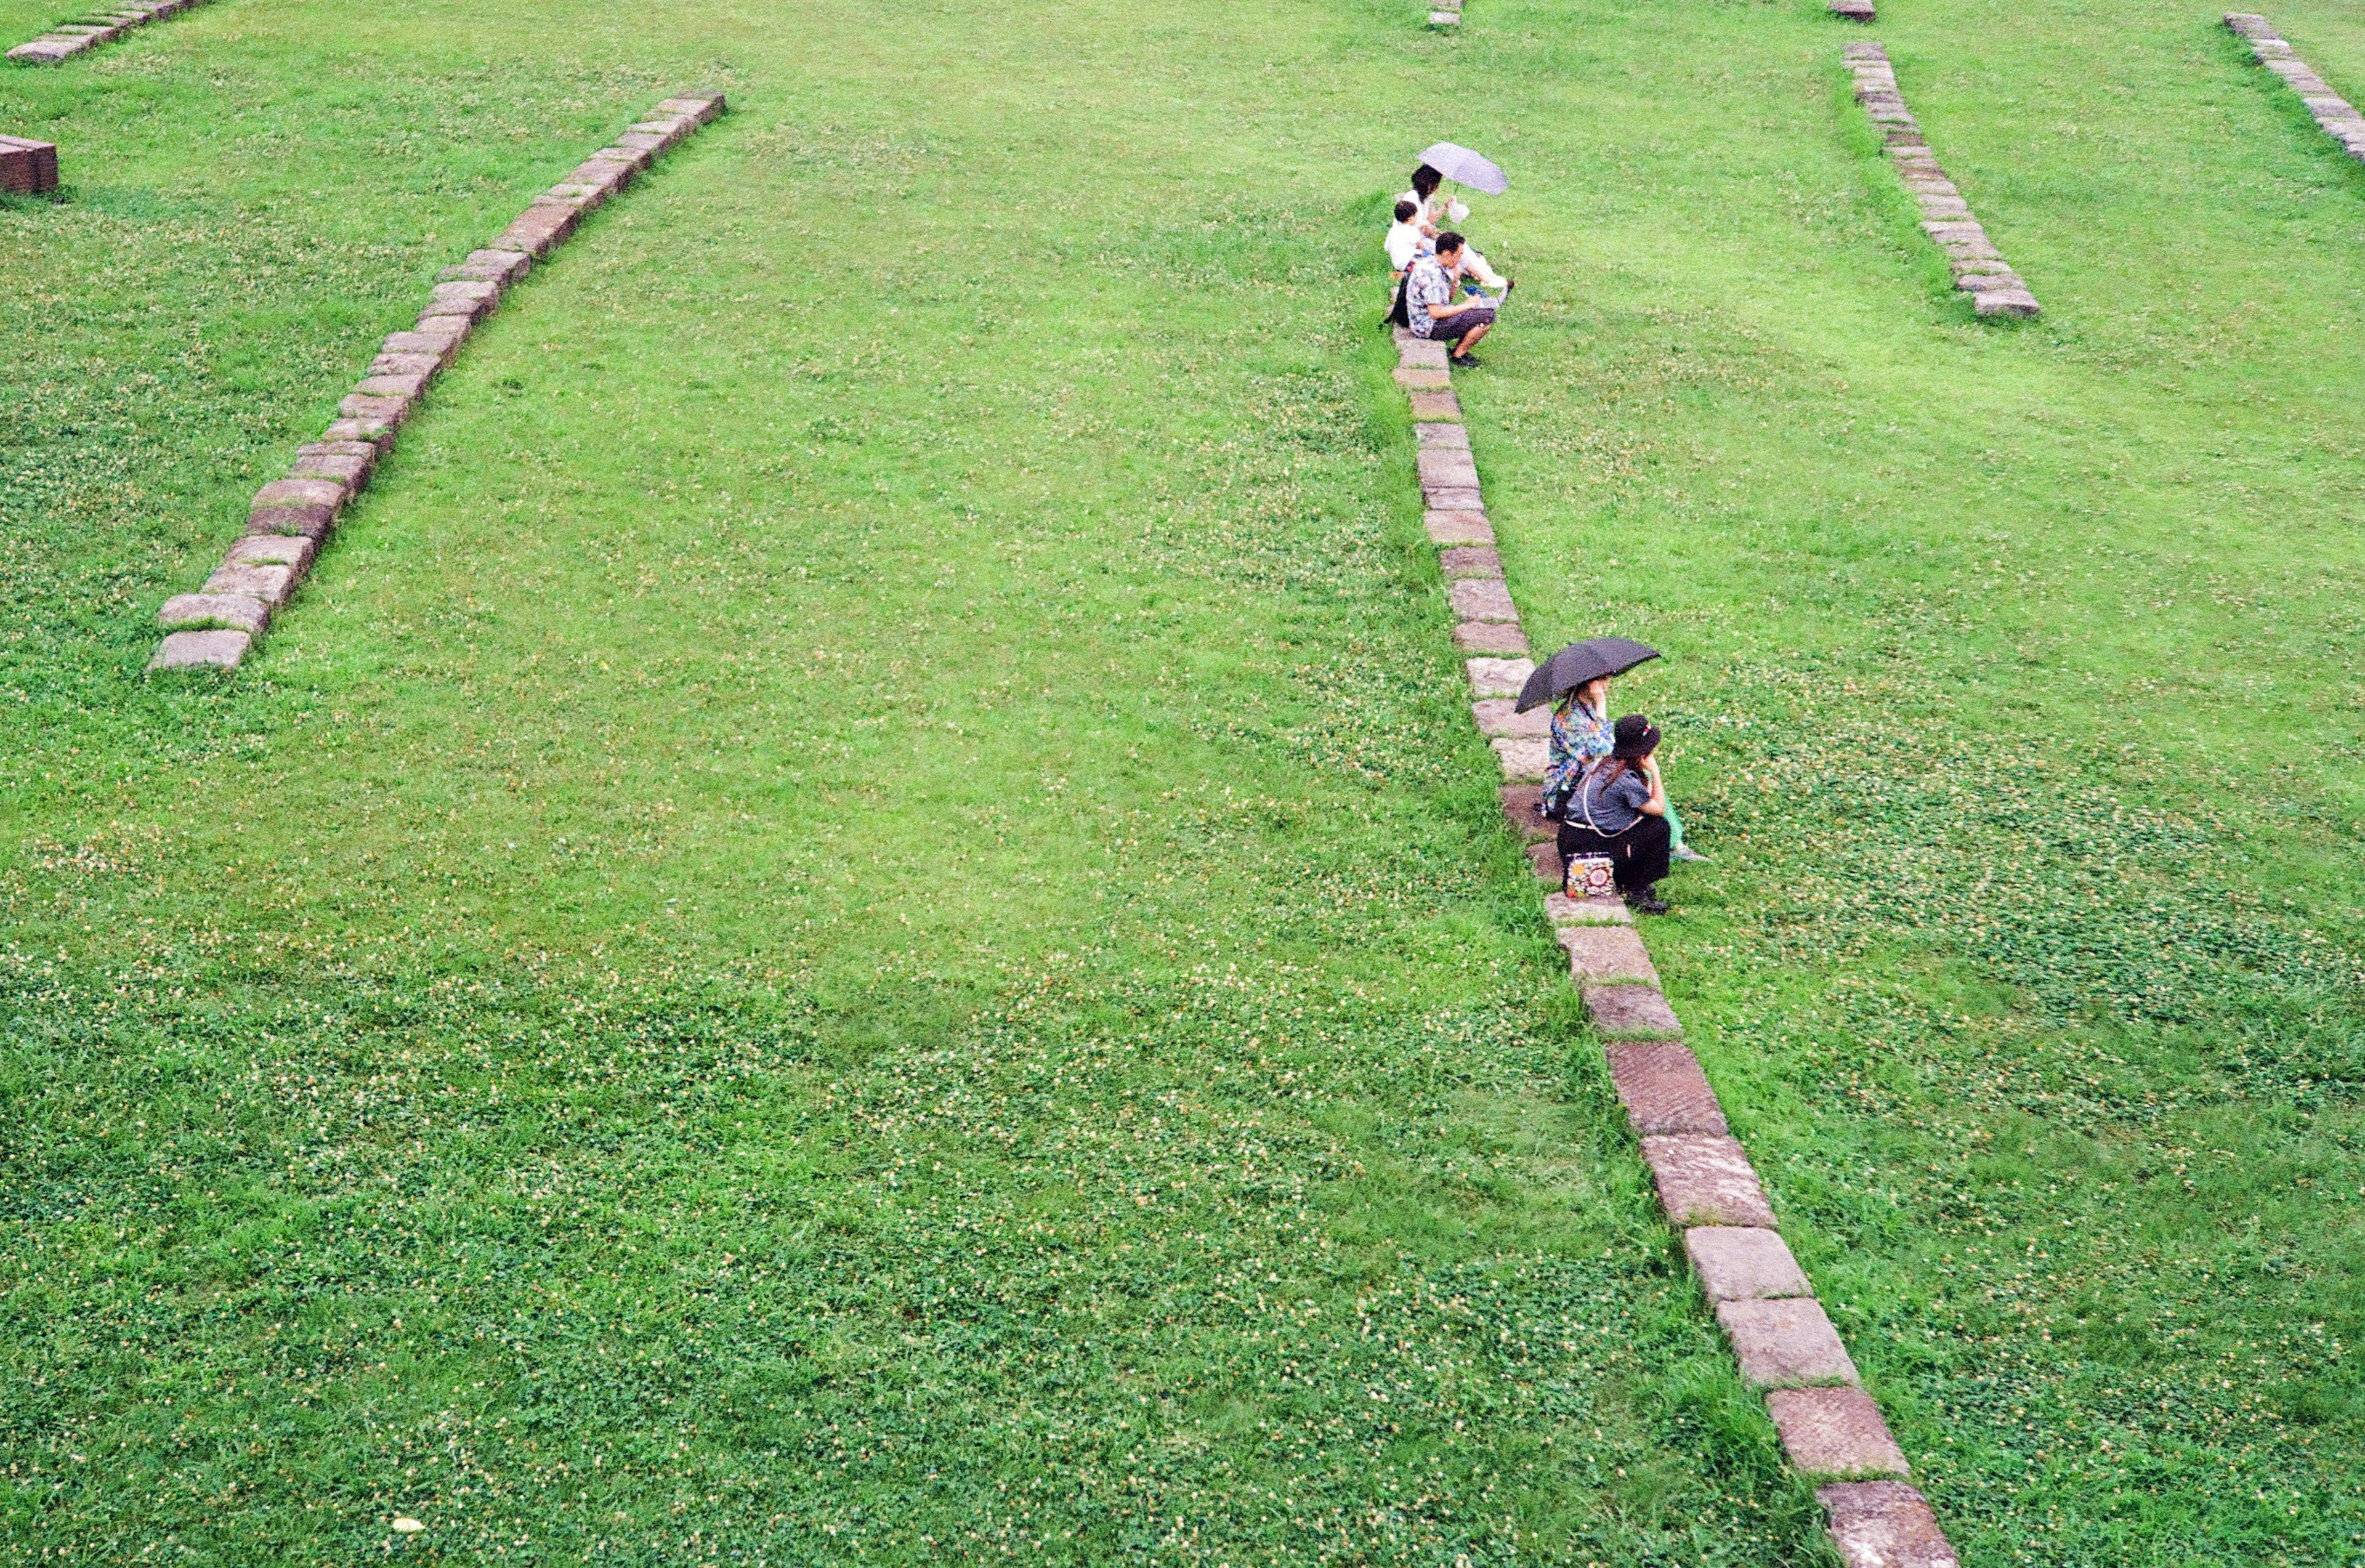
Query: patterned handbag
1590	877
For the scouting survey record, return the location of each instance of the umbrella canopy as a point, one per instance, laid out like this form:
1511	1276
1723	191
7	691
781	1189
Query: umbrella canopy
1464	167
1580	662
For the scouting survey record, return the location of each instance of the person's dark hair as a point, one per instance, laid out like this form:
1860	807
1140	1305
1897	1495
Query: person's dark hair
1405	210
1448	243
1426	180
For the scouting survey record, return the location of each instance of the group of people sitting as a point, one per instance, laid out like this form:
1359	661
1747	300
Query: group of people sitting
1602	786
1440	277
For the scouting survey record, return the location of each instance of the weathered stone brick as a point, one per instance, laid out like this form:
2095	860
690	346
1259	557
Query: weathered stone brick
201	612
1454	497
500	268
538	230
1491	637
643	140
1884	1524
1465	527
638	158
351	472
1520	759
469	297
1563	910
1543	859
198	650
1470	561
1496	718
363	408
405	387
1786	1342
1447	467
376	431
1612	955
1420	353
1498	677
304	491
1433	435
1436	407
1704	1179
292	550
1659	1081
1631	1013
271	584
441	345
420	364
1834	1432
1740	1262
1422	379
1519	802
310	522
1481	599
2006	302
699	106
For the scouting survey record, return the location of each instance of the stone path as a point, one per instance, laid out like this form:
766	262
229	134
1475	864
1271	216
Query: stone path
220	624
27	167
1978	267
1783	1343
1854	10
1445	12
2339	120
104	25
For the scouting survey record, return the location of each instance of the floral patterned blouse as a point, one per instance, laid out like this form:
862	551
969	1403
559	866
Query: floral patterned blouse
1579	737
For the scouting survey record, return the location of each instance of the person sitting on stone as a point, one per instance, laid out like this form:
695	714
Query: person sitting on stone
1430	310
1620	810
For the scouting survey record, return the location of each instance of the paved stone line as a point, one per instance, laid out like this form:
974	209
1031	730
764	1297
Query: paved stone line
27	167
220	624
1978	267
1853	10
1783	1344
104	25
2339	120
1445	12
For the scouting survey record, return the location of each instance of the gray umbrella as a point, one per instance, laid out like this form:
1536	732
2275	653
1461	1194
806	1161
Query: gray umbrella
1464	167
1580	662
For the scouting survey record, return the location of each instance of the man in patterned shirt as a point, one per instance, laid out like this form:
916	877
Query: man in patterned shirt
1429	309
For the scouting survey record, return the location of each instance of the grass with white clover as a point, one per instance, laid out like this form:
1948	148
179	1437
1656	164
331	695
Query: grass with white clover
858	919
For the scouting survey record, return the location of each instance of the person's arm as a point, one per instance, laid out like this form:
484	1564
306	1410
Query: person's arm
1656	806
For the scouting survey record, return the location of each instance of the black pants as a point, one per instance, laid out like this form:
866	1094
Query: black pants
1638	855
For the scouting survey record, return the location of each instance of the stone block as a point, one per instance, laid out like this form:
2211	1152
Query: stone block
1445	18
1520	759
1496	718
1430	435
204	611
1737	1262
1884	1524
1453	498
48	51
1505	641
1470	561
1447	467
2007	302
306	491
500	268
377	432
641	140
201	650
27	167
1543	859
1436	405
1607	955
466	297
1853	10
351	472
1465	527
292	550
1940	207
405	388
611	175
700	108
1785	1342
1420	353
1902	136
1563	910
539	230
1423	378
441	345
1631	1013
363	409
1519	802
637	158
2250	24
1834	1432
1659	1081
1481	599
1498	677
1863	51
420	364
1704	1179
266	583
308	523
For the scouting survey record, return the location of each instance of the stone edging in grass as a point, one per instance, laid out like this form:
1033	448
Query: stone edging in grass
1853	10
220	624
1978	267
103	25
2338	118
1785	1346
1444	13
27	167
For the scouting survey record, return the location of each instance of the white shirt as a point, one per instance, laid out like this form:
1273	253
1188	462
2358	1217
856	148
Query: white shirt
1404	242
1428	211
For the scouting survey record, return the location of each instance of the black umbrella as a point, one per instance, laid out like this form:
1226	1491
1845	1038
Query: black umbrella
1580	662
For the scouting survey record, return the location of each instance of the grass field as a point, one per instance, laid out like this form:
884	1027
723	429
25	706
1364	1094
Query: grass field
858	919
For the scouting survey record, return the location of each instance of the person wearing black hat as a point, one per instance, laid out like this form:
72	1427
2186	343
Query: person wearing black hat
1620	810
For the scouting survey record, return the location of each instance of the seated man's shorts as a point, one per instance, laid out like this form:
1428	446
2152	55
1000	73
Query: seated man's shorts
1461	323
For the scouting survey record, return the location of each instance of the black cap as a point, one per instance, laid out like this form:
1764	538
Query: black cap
1633	736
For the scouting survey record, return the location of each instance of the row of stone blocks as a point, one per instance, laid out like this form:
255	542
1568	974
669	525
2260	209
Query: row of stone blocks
27	167
103	26
1782	1341
221	622
1978	267
2338	118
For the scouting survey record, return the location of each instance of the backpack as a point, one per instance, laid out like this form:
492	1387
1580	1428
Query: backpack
1397	315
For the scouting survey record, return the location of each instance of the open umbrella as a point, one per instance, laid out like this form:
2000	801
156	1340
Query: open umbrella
1464	167
1580	662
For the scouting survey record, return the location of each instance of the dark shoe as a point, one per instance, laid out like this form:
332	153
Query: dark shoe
1465	361
1647	901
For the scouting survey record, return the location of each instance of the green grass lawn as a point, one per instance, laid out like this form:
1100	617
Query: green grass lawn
858	920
